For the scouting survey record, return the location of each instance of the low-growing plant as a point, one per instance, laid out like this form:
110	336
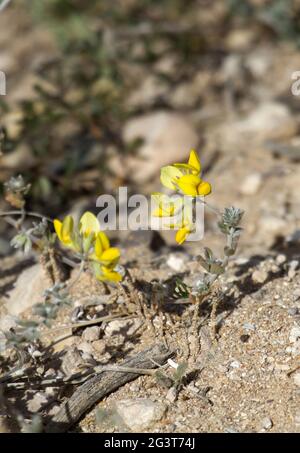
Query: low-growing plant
185	179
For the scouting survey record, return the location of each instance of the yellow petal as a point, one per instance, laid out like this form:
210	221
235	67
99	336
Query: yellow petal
167	207
67	230
185	168
182	234
109	275
204	188
194	161
188	184
58	227
88	224
168	175
102	237
110	257
101	244
158	212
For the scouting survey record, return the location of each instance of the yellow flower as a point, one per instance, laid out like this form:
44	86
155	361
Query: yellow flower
64	230
186	177
88	239
183	233
193	186
105	254
167	207
68	235
107	274
105	259
88	224
169	175
193	165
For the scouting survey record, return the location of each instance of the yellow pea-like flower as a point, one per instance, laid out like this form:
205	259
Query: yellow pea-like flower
107	274
64	230
186	177
183	233
88	224
104	253
193	185
166	207
169	175
193	166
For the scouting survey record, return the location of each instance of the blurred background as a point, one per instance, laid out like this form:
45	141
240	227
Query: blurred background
103	93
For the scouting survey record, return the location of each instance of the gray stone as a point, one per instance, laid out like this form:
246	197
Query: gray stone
139	413
176	262
167	138
266	423
294	334
259	276
252	184
122	326
91	333
38	400
296	379
28	290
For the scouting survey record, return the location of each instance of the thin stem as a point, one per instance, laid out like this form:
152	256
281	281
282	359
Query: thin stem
25	214
89	323
77	277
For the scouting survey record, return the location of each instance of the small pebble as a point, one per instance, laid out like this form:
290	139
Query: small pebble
292	269
296	379
293	311
294	334
91	333
266	423
251	184
259	276
280	259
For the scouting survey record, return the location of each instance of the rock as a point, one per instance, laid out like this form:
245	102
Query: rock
266	423
86	348
138	414
176	262
292	269
271	224
37	402
259	276
235	364
296	379
28	290
122	326
294	334
99	346
269	121
72	362
280	259
167	138
91	333
251	184
293	311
